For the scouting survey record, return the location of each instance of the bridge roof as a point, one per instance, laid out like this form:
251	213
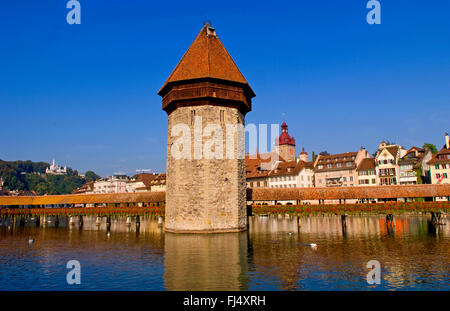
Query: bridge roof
255	194
137	197
336	193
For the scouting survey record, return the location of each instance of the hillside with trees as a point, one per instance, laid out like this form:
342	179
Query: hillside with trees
30	176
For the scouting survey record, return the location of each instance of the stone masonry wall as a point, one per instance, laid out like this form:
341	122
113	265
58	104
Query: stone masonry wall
205	195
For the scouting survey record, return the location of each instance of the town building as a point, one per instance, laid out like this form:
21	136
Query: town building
413	166
280	168
85	189
141	182
158	183
113	184
387	159
338	170
292	174
121	183
367	175
440	164
280	173
56	169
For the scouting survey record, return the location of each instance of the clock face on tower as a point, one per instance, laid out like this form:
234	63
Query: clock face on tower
291	151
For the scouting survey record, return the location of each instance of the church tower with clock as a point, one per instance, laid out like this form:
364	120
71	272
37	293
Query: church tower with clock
285	144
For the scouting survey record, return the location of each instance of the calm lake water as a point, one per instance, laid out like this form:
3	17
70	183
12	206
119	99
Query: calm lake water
273	255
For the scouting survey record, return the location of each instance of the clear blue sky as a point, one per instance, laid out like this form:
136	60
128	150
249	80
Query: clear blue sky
86	94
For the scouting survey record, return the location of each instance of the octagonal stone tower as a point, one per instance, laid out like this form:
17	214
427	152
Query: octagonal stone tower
205	94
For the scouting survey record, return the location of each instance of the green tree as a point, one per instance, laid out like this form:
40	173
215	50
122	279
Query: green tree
419	171
431	147
91	176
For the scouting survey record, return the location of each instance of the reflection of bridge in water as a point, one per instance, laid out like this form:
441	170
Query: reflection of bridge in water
273	254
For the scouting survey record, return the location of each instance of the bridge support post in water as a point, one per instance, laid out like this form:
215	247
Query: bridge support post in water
80	221
390	223
38	221
128	222
437	218
138	222
249	213
344	224
56	221
390	219
71	220
98	221
344	219
22	221
160	221
108	223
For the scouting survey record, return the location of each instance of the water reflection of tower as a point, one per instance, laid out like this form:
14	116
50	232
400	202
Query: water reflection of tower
206	262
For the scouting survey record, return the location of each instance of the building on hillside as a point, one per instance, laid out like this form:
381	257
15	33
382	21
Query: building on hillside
413	166
386	159
338	170
440	164
285	144
56	169
367	175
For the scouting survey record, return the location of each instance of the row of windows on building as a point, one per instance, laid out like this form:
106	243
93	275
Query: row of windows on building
288	178
388	181
407	174
387	171
335	174
443	166
385	161
287	186
367	181
337	165
343	179
443	175
253	184
336	159
366	173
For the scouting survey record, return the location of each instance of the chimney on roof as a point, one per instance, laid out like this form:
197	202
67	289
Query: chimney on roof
447	142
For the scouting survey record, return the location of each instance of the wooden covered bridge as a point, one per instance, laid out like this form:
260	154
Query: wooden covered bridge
430	192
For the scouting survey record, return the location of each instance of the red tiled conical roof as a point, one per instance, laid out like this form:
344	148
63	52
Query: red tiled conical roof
206	58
